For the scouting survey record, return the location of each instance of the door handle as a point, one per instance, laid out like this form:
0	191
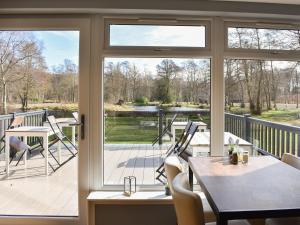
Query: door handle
82	127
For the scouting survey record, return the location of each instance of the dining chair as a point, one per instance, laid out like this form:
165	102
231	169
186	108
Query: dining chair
189	206
173	167
292	160
165	130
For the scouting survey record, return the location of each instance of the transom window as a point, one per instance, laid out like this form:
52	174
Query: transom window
263	38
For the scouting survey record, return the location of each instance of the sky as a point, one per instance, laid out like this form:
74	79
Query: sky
59	45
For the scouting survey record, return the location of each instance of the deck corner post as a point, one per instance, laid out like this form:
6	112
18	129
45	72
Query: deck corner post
247	128
160	125
46	113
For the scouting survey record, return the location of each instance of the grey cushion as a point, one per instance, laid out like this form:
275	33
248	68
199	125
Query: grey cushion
17	144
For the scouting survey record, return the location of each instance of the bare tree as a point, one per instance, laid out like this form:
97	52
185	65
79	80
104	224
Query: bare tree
15	47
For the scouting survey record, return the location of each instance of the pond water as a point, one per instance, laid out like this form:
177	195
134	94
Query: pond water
156	108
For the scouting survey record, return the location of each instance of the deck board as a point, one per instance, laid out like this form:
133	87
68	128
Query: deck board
30	192
56	194
139	160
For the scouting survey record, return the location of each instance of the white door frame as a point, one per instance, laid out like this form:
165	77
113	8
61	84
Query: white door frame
82	24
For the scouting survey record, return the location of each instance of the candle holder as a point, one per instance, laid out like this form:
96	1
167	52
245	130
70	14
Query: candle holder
129	185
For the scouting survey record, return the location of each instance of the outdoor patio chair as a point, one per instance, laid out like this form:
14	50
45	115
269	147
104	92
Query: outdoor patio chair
75	116
182	150
57	136
165	131
16	122
173	148
179	147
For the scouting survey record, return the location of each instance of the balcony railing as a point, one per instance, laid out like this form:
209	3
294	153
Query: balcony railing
267	137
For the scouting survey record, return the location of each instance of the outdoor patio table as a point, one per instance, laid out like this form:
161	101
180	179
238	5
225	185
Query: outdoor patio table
180	125
263	188
27	131
200	144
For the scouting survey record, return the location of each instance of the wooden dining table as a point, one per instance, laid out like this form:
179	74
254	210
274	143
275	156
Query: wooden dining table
265	187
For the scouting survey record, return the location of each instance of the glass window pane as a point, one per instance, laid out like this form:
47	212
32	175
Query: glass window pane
135	91
39	70
267	39
157	35
263	104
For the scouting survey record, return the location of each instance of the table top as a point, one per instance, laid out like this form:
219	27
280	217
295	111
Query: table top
184	123
203	139
28	129
265	187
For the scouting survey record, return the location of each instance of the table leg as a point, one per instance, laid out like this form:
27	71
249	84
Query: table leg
73	135
221	221
191	178
7	153
45	146
173	134
25	154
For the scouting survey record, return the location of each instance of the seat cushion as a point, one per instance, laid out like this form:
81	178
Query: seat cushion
283	221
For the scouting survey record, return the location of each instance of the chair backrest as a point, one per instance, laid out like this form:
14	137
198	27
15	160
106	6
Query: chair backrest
188	137
186	130
173	167
172	120
292	160
53	124
75	115
17	121
188	205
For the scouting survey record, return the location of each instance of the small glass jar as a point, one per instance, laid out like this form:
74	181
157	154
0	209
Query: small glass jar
245	157
234	158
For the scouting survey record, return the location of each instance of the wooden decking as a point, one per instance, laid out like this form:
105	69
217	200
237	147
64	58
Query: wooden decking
30	192
140	160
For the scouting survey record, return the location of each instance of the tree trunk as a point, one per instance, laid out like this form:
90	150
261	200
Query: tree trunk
4	98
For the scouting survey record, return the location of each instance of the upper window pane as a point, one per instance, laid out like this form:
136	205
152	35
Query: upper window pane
267	39
157	35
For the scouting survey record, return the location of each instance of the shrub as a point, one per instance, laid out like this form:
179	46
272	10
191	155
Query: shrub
141	101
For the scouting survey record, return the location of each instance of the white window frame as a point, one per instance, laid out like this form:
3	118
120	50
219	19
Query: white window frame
157	21
82	24
213	52
272	54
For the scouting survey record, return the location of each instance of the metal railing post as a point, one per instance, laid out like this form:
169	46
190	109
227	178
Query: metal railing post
247	127
160	125
46	113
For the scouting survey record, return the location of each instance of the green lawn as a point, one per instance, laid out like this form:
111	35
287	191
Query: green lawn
131	129
284	116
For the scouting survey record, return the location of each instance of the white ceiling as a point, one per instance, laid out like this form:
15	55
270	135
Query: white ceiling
295	2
